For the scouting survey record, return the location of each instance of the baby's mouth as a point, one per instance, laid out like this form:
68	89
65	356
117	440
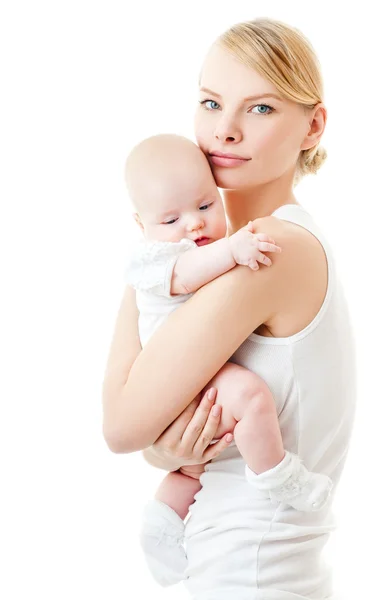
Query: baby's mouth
202	241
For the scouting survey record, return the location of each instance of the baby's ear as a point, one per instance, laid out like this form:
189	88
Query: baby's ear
137	219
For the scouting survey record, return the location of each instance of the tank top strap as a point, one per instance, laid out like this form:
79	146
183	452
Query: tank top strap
295	213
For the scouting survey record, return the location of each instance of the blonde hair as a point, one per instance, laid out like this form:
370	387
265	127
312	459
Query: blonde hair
284	56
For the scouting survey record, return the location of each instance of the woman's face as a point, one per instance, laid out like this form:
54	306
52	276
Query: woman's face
241	113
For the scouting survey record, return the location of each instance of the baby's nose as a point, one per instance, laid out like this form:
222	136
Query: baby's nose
196	224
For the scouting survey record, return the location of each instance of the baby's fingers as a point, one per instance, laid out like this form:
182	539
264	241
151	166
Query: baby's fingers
262	258
263	237
252	263
267	247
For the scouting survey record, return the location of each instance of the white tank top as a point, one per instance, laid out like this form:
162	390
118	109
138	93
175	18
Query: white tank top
312	376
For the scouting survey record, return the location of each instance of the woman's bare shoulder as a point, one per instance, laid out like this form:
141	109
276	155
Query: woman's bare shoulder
300	279
288	230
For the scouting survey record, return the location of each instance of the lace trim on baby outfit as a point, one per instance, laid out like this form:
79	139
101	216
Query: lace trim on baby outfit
151	265
291	482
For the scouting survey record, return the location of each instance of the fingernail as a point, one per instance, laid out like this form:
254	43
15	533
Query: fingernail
229	438
215	410
211	394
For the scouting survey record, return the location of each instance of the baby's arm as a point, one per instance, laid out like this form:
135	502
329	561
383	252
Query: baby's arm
199	266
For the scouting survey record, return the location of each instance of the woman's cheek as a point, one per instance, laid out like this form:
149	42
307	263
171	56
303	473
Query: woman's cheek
200	130
200	140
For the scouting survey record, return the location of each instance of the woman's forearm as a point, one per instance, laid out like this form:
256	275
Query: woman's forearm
124	349
167	375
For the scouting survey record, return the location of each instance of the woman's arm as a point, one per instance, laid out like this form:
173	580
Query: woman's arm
125	347
195	341
186	443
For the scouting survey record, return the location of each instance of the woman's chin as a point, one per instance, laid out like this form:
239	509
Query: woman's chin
226	179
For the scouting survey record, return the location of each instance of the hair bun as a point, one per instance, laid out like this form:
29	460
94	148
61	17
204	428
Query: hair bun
312	162
309	162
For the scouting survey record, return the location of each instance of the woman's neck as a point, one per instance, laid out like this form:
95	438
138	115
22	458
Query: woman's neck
249	204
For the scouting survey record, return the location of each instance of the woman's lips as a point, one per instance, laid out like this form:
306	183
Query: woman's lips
227	160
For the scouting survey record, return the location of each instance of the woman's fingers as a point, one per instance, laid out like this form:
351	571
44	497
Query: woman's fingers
209	430
189	436
198	421
171	438
217	448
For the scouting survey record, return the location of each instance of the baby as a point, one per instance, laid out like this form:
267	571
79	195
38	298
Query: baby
181	214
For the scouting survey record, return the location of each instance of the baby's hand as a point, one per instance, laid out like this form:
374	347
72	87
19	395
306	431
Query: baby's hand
246	247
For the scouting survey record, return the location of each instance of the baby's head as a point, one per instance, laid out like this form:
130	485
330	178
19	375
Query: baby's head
173	191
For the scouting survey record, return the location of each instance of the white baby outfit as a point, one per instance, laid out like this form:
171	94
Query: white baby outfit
150	272
261	537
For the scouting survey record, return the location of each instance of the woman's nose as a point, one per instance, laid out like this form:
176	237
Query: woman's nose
227	131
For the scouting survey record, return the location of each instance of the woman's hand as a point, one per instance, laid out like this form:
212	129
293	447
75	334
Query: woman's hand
187	439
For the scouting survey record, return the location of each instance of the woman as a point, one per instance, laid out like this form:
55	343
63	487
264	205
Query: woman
259	122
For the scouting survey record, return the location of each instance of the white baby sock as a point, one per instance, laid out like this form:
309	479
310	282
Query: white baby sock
290	482
161	538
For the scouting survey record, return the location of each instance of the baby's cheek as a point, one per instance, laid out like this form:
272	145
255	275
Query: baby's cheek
163	233
220	227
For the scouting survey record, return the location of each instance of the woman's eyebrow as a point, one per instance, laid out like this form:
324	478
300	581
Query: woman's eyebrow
249	98
260	96
203	89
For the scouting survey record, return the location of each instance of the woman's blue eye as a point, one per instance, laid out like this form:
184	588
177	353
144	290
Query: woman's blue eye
267	111
210	104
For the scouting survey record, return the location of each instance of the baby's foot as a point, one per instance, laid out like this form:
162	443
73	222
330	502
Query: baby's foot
290	482
161	538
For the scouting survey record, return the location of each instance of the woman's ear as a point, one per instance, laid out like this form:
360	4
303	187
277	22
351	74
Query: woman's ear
317	122
137	219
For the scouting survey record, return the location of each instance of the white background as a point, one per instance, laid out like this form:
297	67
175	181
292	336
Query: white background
81	83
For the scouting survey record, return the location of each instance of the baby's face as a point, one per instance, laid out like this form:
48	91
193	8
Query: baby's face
188	206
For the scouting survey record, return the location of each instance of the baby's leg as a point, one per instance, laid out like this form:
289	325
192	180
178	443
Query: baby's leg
162	530
289	481
178	491
237	387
